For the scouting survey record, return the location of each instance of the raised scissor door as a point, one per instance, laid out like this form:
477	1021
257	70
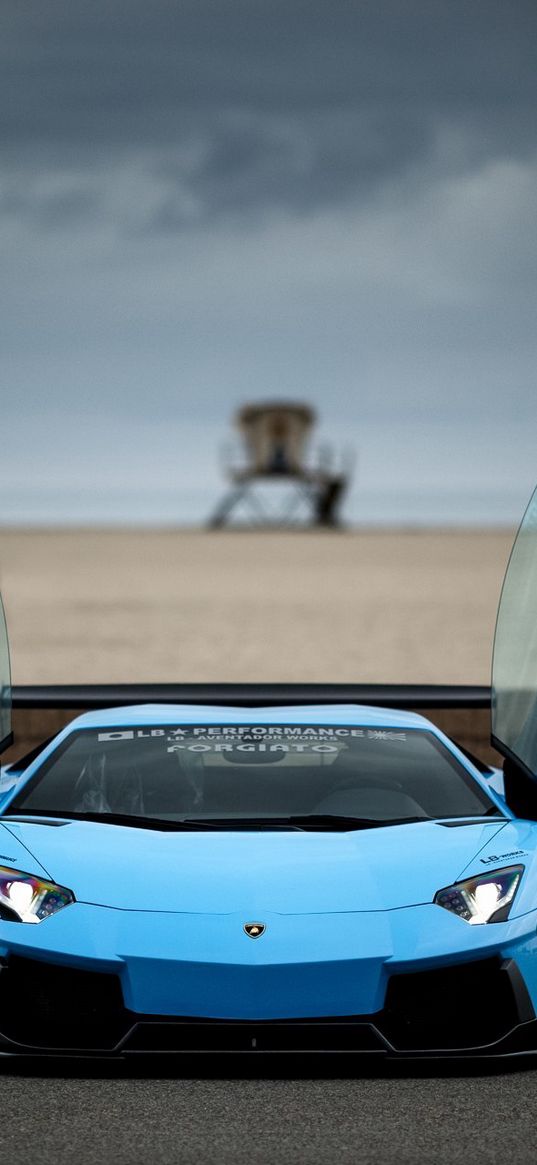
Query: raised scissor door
5	683
514	667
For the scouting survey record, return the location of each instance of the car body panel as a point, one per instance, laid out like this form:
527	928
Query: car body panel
285	872
199	965
343	911
14	853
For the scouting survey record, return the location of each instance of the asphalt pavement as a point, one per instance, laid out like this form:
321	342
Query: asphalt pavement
303	1113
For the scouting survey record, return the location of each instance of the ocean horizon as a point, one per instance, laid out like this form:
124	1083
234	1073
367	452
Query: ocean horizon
71	508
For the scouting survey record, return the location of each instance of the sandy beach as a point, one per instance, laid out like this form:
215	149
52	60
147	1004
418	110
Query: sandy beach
178	605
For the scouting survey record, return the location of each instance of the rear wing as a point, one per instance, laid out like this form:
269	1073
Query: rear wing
461	711
92	696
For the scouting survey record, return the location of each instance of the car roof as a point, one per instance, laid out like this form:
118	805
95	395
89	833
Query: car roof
141	714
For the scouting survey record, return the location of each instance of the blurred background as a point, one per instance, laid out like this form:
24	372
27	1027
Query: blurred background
227	201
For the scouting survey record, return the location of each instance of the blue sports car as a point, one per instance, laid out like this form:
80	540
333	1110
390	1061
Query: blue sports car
307	879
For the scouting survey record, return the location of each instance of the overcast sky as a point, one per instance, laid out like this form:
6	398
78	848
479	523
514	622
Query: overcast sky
204	202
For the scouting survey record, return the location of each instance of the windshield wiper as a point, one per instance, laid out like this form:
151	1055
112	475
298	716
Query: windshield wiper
185	824
233	823
300	822
337	821
130	819
306	821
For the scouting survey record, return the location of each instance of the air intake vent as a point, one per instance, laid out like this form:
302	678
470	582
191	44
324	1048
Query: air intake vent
46	1006
460	1007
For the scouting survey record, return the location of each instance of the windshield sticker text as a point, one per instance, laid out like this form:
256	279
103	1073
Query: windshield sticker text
253	738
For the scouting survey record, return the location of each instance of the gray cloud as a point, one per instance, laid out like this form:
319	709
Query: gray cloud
136	60
207	200
266	104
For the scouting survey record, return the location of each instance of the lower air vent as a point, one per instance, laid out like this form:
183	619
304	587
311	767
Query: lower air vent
47	1006
460	1007
266	1036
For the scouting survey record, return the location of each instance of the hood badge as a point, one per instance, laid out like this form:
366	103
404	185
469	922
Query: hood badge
254	929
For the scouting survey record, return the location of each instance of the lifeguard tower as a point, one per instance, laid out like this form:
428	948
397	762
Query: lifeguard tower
274	450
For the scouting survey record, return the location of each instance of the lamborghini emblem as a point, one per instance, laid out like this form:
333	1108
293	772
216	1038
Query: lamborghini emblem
254	929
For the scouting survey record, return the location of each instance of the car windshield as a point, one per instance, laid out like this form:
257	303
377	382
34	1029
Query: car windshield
224	773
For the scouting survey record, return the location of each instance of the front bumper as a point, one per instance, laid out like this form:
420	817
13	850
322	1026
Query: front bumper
414	982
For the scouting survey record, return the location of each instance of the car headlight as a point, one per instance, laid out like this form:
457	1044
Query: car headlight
24	898
486	898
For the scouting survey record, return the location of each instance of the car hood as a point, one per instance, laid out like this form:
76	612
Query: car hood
224	871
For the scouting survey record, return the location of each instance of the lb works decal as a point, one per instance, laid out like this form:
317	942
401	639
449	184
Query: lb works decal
514	853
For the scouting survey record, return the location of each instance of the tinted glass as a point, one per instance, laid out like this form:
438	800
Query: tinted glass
5	682
247	771
514	672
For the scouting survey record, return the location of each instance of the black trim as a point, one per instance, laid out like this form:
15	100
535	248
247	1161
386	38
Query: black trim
299	1036
506	752
6	742
480	765
521	994
345	1038
18	766
454	824
520	788
90	696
